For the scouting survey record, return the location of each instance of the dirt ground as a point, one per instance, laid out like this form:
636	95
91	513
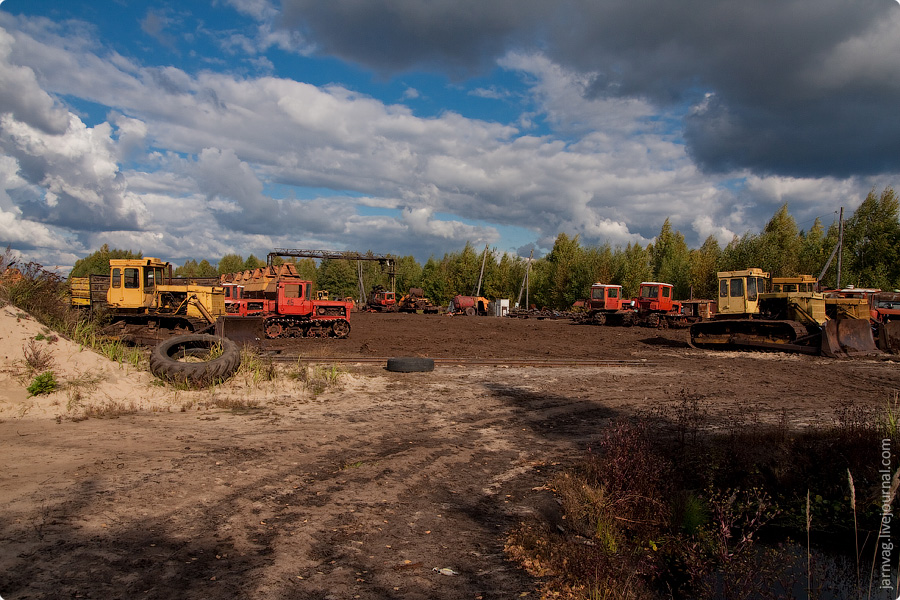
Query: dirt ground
372	488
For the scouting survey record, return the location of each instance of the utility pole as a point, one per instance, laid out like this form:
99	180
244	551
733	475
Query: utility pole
525	282
839	250
841	246
480	275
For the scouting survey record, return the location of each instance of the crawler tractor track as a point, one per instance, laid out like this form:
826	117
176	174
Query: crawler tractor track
285	327
786	336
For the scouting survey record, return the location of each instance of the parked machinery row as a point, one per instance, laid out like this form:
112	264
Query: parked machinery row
754	310
655	306
143	303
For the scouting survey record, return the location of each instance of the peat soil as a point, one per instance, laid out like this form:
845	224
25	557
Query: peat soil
395	485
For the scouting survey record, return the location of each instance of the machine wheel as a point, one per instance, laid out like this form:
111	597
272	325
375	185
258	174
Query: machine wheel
274	330
599	319
470	312
410	364
341	329
165	363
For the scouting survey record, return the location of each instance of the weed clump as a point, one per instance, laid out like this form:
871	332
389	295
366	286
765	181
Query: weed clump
45	383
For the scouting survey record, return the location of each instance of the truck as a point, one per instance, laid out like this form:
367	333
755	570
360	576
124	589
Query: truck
756	311
285	302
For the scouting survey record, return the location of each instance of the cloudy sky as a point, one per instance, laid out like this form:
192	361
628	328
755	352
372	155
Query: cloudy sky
197	129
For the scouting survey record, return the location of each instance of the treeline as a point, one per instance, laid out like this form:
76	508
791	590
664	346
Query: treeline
870	258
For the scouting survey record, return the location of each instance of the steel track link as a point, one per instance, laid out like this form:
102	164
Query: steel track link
496	362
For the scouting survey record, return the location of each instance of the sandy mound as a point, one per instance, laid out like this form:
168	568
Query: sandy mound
86	380
90	385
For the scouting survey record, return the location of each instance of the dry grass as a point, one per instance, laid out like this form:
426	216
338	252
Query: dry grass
38	357
670	509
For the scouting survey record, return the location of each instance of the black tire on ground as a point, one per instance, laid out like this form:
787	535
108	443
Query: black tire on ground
164	361
410	364
470	312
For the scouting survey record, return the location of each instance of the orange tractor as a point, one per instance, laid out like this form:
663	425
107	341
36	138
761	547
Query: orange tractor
285	302
606	307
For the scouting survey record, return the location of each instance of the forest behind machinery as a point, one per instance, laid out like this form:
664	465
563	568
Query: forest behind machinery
870	258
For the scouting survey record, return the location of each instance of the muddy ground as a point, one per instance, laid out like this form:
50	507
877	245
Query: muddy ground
369	491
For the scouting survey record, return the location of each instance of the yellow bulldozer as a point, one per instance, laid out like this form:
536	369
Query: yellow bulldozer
782	313
144	304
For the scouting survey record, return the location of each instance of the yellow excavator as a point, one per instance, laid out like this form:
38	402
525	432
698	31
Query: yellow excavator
756	311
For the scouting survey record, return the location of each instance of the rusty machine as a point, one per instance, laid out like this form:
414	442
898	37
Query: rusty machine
655	306
791	317
469	305
285	303
880	307
381	300
415	301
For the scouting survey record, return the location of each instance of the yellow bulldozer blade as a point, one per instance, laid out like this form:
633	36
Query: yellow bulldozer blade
848	337
889	336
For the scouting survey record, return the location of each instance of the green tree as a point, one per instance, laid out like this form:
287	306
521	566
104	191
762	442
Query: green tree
670	260
307	269
253	263
812	256
506	277
205	269
562	270
434	282
230	263
634	268
461	270
779	245
338	277
97	263
872	242
742	253
409	274
188	269
704	268
599	265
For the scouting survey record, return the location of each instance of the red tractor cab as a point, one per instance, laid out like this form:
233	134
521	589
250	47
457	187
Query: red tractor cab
605	306
656	306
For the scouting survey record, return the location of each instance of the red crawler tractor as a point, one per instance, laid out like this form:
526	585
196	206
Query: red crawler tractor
655	306
605	306
286	304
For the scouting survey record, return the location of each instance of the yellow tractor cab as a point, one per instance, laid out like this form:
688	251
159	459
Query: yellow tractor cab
133	282
739	292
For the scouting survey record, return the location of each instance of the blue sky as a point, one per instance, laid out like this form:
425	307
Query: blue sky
193	130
